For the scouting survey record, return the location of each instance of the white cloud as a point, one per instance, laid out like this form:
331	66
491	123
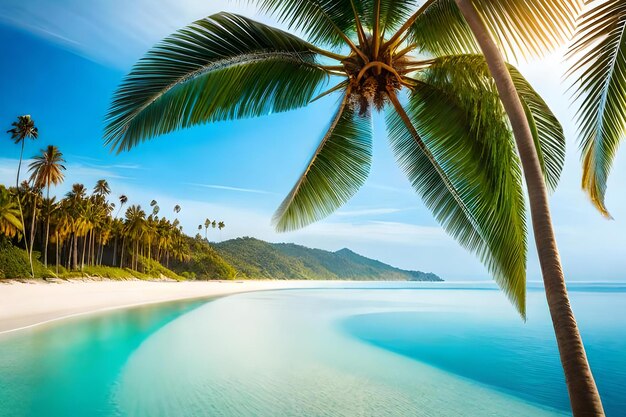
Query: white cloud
377	232
371	211
115	32
230	188
75	172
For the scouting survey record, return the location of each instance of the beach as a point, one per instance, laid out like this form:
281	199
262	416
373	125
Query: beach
29	303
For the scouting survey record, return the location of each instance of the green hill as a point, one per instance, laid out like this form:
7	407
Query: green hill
253	258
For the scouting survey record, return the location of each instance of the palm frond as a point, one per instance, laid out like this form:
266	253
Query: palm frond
391	15
323	21
471	70
473	181
222	67
522	28
546	129
599	69
337	170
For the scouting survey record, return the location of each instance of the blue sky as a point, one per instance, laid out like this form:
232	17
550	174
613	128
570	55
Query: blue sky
63	59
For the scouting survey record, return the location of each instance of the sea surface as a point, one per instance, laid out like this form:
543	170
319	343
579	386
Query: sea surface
348	349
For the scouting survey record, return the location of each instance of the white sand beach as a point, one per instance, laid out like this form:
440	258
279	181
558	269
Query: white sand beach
31	303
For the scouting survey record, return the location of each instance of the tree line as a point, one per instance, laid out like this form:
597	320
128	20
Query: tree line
84	228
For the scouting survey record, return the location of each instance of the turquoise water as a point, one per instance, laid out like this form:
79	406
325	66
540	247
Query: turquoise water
383	349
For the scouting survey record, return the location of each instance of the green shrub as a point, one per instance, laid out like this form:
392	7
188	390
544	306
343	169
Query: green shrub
205	262
14	262
188	275
153	269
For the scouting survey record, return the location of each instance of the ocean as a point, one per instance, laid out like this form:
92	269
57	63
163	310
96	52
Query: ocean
347	349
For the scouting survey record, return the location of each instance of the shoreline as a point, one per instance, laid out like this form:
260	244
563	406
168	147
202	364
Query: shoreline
26	304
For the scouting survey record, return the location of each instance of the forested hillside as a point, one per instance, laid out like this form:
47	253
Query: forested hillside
253	258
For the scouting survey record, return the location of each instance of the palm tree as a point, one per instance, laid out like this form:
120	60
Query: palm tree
32	197
10	224
135	226
102	188
117	229
75	207
470	127
220	226
584	397
207	224
24	128
123	200
46	170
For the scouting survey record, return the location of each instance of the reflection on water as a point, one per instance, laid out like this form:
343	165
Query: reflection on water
69	368
363	350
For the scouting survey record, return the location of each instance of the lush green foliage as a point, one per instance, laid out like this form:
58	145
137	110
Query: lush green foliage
222	67
14	262
520	27
468	172
255	258
204	263
335	173
10	224
153	268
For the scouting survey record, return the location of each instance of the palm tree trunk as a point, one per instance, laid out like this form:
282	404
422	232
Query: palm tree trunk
45	248
92	247
82	259
75	253
56	235
584	397
32	228
122	252
19	204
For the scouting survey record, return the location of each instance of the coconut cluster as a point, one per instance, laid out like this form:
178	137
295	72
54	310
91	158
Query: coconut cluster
372	87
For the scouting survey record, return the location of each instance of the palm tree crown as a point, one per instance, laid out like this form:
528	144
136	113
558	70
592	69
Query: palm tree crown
451	134
102	188
10	224
47	168
23	128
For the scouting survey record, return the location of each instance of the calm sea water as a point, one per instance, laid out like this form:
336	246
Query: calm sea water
383	349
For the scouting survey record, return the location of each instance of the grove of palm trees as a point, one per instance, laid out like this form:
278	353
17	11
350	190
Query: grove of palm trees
84	232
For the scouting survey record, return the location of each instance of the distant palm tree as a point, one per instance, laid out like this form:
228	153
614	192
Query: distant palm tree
123	200
207	224
220	226
472	126
46	170
75	209
102	188
24	128
135	227
10	224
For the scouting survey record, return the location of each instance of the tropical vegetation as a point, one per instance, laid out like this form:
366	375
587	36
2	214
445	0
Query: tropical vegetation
465	125
83	232
254	258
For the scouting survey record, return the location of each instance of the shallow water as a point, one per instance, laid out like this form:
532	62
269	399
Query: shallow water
383	349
